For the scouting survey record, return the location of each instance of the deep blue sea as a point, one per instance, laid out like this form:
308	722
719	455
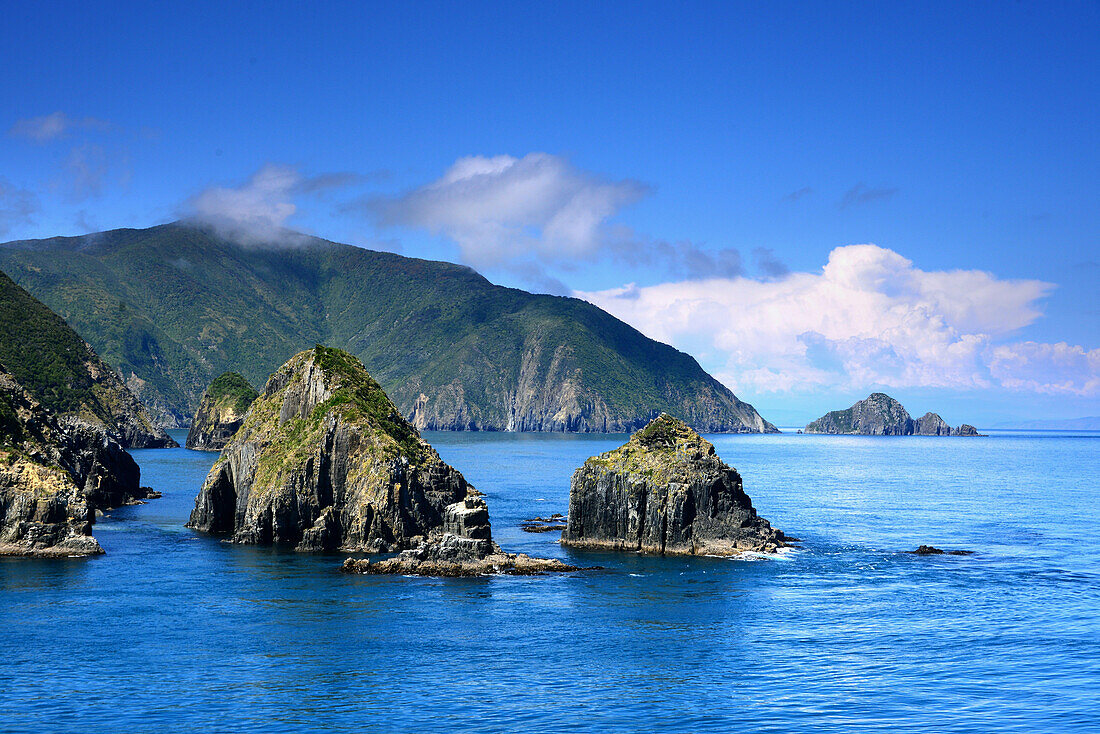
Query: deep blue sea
175	631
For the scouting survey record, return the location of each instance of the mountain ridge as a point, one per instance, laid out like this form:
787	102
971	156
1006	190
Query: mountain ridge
173	306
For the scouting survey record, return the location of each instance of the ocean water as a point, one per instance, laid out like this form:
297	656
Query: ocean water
175	631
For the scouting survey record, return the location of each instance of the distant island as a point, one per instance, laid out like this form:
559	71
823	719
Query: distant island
172	307
881	415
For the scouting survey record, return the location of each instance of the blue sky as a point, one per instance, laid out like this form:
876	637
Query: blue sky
692	167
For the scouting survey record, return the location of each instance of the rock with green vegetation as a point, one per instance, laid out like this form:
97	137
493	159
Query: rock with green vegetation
221	412
173	306
324	461
881	415
62	371
664	491
55	472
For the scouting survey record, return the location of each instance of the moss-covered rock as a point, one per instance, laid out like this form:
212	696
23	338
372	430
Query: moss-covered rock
324	461
664	491
221	412
55	472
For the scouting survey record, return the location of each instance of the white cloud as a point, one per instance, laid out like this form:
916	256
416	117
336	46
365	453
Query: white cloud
527	215
54	126
498	209
1055	369
254	212
257	211
868	318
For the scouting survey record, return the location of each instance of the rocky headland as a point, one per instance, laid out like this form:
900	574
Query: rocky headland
221	412
55	473
324	461
881	415
664	491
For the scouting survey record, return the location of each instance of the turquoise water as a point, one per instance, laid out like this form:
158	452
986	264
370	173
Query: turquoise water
181	632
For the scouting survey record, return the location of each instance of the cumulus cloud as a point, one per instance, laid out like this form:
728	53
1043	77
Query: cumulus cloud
524	215
868	318
256	212
54	126
499	208
17	206
862	194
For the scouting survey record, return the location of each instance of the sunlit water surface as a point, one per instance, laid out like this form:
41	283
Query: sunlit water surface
173	630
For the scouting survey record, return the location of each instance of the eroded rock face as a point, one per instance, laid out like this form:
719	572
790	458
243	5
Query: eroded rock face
664	491
324	461
881	415
464	547
55	472
221	412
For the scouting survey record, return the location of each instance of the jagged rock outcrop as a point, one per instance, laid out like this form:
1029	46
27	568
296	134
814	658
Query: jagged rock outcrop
463	547
52	363
221	412
324	461
881	415
55	472
664	491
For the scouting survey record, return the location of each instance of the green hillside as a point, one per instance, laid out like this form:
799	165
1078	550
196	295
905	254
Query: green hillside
58	368
175	305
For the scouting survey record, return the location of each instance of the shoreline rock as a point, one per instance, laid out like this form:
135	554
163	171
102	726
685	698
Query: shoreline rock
55	474
665	491
463	548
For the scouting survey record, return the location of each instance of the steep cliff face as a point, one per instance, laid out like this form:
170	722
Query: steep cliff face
221	412
664	491
881	415
55	472
325	461
62	371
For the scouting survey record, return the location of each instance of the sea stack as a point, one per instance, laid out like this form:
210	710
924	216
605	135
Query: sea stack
325	461
881	415
221	412
55	472
664	491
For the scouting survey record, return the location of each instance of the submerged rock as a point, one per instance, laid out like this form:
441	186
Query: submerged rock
464	548
221	412
324	461
930	550
664	491
881	415
55	473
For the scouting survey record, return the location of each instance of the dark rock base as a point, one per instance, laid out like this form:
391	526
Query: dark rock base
454	556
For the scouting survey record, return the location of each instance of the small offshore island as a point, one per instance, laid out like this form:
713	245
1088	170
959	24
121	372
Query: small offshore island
881	415
665	491
324	461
